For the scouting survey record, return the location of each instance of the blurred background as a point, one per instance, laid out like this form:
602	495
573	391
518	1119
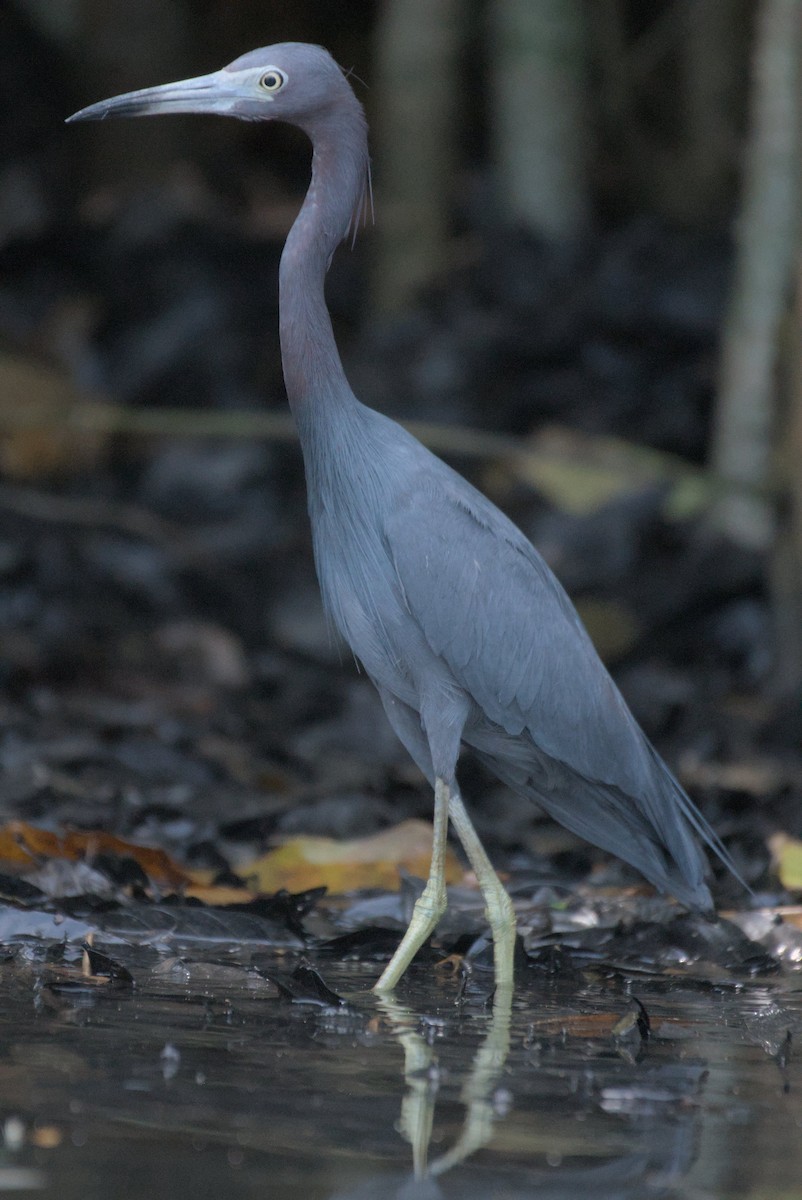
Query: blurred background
584	286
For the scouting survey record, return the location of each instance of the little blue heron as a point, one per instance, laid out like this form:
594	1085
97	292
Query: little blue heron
456	618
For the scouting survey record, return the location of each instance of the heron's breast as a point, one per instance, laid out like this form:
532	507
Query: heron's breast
363	597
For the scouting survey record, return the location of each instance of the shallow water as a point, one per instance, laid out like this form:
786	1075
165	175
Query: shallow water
200	1081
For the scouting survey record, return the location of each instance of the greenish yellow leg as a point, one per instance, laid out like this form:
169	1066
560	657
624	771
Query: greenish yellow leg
477	1092
431	904
417	1108
498	906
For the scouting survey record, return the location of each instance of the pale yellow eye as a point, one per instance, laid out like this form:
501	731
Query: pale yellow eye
273	80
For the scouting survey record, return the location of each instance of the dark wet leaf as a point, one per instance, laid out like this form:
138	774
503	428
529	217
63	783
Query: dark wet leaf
632	1031
683	941
80	906
370	945
20	891
285	906
472	957
122	870
643	1022
783	1060
304	986
172	925
555	961
196	923
107	968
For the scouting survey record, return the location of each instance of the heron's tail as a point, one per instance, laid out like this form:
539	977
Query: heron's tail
660	839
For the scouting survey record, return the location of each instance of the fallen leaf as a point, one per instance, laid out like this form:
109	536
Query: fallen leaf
758	776
26	845
370	862
786	853
96	965
46	1137
304	986
583	1025
580	472
47	445
217	895
613	628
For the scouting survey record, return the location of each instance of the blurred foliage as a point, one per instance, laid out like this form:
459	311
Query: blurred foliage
664	81
562	121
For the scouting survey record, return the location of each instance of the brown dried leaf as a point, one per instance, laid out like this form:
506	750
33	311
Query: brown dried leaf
26	845
583	1025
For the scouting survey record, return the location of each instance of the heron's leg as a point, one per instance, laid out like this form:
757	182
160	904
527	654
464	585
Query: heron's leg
498	906
431	904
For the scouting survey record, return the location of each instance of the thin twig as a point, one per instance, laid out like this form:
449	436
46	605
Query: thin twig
103	417
37	505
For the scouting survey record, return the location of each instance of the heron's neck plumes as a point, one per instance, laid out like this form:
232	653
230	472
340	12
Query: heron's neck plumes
334	204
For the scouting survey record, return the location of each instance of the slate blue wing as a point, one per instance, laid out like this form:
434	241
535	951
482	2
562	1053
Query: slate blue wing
489	606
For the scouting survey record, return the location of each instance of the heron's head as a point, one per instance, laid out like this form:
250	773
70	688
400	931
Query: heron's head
292	81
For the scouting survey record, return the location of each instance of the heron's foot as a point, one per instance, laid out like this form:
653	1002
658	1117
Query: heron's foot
429	908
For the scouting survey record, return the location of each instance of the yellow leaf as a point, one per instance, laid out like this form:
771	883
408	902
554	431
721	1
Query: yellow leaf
31	392
218	896
613	629
580	473
368	862
787	855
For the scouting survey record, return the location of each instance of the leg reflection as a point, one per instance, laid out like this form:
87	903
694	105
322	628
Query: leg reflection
420	1075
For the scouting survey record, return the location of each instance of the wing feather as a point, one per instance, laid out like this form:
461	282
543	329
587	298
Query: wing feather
488	604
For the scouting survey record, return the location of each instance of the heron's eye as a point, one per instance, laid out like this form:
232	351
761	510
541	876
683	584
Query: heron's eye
273	80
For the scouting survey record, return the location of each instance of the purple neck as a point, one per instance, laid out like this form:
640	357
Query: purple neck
313	372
